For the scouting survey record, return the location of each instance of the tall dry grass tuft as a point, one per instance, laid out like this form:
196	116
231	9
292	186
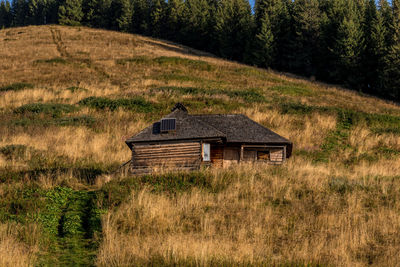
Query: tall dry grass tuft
300	213
14	252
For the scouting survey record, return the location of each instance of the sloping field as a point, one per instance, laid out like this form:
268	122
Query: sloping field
69	97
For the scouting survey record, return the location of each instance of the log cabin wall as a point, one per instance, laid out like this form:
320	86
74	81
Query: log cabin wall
177	155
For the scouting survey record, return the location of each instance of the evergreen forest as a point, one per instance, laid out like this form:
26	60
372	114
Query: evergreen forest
353	43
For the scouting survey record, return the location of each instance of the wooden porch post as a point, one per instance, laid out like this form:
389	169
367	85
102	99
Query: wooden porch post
241	153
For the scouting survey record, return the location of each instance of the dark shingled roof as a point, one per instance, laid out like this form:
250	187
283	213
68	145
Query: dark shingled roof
187	127
232	128
240	129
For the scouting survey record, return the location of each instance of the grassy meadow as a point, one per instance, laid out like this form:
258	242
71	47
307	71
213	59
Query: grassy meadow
70	96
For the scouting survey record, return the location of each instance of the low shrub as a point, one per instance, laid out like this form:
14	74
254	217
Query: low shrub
250	95
258	73
170	61
293	90
14	152
57	60
383	123
195	64
137	104
178	77
135	60
74	89
16	87
83	120
341	185
53	109
296	108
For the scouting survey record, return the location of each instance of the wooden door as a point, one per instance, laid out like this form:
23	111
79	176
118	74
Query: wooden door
231	156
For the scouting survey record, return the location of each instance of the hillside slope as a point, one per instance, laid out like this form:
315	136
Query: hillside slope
70	96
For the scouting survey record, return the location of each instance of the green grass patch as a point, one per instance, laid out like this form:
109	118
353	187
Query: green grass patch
134	60
16	87
178	61
258	74
251	95
292	90
56	60
53	109
14	152
75	89
178	77
296	108
378	123
84	120
383	123
137	104
168	61
199	103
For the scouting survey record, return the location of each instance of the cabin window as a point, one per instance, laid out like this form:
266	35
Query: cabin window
263	155
206	152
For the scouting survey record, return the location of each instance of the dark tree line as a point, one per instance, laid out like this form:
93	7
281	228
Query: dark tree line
355	43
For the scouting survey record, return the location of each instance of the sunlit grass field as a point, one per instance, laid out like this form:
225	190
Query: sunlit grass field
70	96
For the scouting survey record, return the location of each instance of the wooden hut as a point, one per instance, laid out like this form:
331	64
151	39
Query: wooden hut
184	141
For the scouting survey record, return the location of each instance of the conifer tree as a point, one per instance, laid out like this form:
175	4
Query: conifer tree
37	12
173	18
120	15
347	46
307	18
140	17
197	24
157	17
70	13
373	52
19	13
263	47
234	25
391	82
5	14
94	13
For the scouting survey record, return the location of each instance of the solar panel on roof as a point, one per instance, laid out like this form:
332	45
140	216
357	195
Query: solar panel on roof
168	125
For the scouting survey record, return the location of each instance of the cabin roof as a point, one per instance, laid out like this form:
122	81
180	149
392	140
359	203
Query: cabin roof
234	128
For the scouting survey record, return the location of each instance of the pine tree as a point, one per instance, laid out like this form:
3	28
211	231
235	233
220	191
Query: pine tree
374	49
5	14
94	13
283	35
121	15
141	17
37	12
307	20
51	11
385	11
346	49
157	17
70	13
173	19
234	24
391	74
19	13
197	24
263	47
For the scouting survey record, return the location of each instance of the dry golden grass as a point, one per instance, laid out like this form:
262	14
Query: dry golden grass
289	217
14	252
340	212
